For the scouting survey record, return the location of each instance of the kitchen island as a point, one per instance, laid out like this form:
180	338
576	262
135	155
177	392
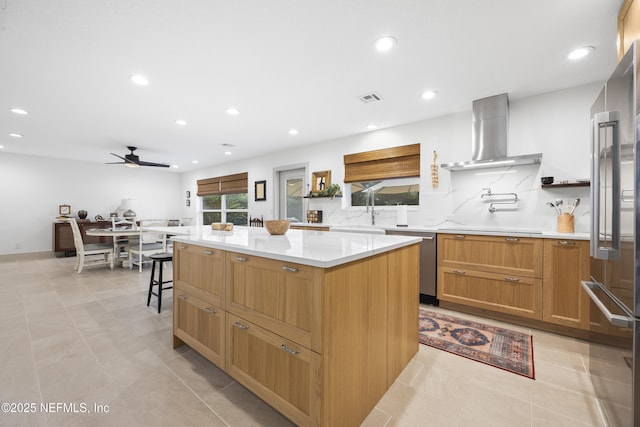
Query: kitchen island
319	325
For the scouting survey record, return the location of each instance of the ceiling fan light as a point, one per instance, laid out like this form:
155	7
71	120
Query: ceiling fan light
131	165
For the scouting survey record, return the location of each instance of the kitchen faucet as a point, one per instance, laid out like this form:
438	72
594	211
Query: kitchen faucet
371	196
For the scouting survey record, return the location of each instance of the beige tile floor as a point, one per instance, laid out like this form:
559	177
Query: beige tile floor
89	339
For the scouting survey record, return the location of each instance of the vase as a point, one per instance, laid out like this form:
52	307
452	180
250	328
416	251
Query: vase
82	214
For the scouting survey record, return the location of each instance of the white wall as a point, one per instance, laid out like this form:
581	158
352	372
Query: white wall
555	124
32	188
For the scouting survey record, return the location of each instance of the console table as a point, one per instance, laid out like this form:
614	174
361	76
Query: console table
63	236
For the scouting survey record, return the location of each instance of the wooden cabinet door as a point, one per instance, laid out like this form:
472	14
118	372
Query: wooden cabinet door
200	325
566	263
200	270
281	372
511	255
628	25
521	296
282	297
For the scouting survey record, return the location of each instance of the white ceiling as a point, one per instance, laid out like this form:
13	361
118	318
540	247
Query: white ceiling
283	63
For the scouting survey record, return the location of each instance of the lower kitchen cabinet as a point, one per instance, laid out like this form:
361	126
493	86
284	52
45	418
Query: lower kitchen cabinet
491	272
521	296
566	263
199	324
281	372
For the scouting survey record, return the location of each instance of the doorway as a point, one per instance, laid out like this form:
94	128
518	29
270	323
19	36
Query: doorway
291	193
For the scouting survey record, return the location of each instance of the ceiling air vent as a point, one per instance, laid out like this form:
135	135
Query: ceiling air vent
370	97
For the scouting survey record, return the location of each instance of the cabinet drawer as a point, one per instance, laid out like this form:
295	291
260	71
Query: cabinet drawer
200	271
199	324
517	295
279	371
520	256
280	296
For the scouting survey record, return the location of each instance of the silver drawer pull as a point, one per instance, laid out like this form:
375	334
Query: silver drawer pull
511	279
290	269
566	242
241	258
182	296
512	239
210	310
208	252
427	238
182	247
458	272
240	326
460	236
288	350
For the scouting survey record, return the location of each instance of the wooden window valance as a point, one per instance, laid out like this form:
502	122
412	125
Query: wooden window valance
228	184
395	162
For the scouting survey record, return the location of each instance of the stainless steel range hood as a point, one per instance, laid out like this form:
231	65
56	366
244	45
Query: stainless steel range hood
489	137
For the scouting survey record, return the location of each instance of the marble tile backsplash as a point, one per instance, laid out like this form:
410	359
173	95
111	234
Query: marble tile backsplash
458	201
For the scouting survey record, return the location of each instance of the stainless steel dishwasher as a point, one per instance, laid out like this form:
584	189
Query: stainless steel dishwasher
428	261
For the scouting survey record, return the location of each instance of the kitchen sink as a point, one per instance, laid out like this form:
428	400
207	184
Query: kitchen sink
357	228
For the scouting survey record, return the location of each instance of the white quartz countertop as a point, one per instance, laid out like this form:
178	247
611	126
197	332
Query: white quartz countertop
307	247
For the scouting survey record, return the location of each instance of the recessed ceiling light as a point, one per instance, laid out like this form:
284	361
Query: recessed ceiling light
372	126
293	131
18	111
228	153
1	147
386	43
16	135
181	122
139	79
430	94
232	111
195	162
175	166
581	52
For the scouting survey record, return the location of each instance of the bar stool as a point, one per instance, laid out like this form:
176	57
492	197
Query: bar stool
160	259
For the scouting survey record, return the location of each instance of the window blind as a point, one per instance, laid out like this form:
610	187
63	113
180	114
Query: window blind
228	184
394	162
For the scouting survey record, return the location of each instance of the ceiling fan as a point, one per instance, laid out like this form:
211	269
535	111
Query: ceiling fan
133	161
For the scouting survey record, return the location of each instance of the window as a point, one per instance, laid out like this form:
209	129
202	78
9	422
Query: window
225	199
387	192
226	208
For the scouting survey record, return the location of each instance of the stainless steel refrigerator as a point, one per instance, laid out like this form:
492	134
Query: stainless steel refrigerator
614	287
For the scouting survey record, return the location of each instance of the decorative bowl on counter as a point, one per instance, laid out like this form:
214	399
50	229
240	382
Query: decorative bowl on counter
225	226
276	226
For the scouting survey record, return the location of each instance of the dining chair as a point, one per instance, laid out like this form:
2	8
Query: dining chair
83	250
121	244
149	243
256	222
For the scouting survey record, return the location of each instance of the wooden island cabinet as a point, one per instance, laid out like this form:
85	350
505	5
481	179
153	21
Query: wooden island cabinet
320	340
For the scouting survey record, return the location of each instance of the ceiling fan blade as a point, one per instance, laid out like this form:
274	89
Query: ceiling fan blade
160	165
118	156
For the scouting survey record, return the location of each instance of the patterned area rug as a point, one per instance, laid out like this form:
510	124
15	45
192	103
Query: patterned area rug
499	347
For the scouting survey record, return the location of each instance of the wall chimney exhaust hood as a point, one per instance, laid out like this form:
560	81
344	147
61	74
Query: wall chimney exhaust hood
489	137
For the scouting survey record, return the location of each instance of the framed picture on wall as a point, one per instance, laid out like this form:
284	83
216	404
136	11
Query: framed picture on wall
260	191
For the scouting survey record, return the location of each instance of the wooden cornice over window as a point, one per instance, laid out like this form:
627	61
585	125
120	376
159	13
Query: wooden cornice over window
228	184
395	162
